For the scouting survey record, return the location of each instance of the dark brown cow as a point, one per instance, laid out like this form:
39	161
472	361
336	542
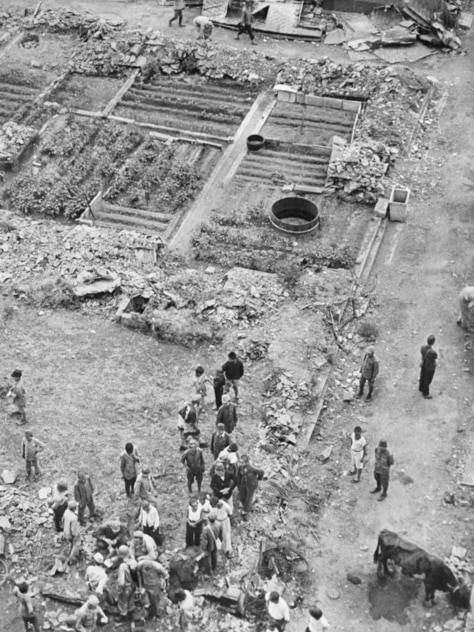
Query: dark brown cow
413	560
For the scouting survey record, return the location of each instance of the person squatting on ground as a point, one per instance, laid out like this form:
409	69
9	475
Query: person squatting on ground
368	372
203	26
129	461
220	439
278	611
358	453
149	521
72	532
96	576
143	547
222	512
111	535
194	522
383	462
233	371
18	395
227	414
179	7
89	615
58	504
246	20
317	622
209	546
152	577
247	483
427	366
26	607
30	448
193	460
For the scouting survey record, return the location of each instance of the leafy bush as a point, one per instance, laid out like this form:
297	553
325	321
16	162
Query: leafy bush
368	329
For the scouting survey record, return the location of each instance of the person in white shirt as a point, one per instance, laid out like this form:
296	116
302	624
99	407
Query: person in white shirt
96	576
278	610
149	520
358	453
143	547
185	600
203	26
317	622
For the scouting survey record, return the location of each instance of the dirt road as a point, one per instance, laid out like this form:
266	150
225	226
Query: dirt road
421	268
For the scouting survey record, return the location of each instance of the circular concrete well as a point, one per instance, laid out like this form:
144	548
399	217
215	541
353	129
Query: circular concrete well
294	215
255	142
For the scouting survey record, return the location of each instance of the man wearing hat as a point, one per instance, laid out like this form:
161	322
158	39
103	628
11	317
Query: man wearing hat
383	463
144	486
227	414
368	372
72	531
96	576
88	615
143	547
17	392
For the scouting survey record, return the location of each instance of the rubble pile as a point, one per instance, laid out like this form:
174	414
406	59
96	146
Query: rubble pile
110	55
13	138
281	415
356	171
66	20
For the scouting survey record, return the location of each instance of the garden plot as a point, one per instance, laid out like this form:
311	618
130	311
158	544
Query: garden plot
308	124
86	92
18	89
240	233
196	105
147	181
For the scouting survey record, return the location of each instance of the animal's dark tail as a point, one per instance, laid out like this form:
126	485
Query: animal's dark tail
377	551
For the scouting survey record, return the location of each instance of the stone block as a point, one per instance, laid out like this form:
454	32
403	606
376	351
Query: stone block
335	104
381	208
300	98
312	99
351	106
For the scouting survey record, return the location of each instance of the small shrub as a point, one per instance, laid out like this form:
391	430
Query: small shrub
368	329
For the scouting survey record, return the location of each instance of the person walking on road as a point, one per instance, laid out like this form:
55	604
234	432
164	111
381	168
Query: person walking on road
178	12
383	463
358	453
245	24
233	371
368	372
427	367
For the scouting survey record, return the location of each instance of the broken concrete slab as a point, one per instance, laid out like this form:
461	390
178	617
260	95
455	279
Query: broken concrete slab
338	36
9	477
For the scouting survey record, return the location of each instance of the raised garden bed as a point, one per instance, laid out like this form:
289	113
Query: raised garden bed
215	108
18	89
85	92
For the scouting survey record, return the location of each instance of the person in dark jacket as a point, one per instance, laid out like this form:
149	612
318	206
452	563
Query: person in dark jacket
427	367
193	459
227	414
247	482
209	537
383	463
246	20
220	439
219	384
222	484
233	370
129	461
368	372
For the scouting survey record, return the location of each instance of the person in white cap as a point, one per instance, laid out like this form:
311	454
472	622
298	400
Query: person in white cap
368	372
88	615
96	576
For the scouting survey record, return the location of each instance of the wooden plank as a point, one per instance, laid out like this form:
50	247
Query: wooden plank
126	86
173	130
